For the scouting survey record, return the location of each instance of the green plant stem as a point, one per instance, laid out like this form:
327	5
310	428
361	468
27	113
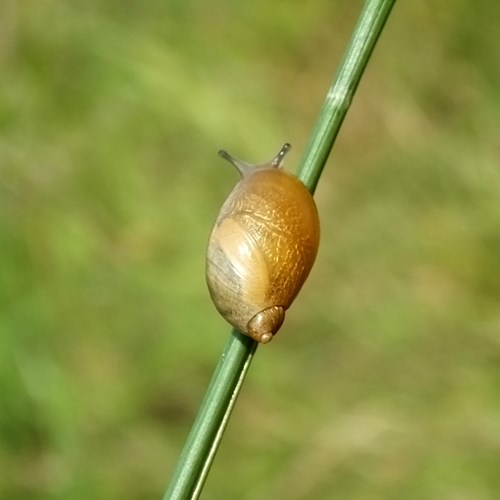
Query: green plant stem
215	410
200	448
339	97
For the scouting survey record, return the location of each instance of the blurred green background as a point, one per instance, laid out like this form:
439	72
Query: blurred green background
383	382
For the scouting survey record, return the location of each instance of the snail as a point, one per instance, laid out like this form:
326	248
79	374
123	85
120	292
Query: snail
262	247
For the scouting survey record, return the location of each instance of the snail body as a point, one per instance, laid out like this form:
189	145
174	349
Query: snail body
262	247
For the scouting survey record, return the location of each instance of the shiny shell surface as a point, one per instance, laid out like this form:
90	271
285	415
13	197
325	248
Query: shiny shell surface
262	246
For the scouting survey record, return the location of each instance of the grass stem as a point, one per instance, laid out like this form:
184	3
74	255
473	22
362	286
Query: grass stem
200	448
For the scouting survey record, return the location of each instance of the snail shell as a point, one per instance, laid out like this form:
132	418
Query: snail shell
262	247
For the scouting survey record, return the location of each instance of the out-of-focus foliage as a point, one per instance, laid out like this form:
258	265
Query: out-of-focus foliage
383	383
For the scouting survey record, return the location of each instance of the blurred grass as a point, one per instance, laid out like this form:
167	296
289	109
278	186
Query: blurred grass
110	119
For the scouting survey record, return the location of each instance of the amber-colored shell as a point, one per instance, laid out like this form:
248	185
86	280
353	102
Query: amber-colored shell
262	247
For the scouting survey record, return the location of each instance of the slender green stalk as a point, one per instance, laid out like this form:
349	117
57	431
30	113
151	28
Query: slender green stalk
339	97
215	410
200	448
